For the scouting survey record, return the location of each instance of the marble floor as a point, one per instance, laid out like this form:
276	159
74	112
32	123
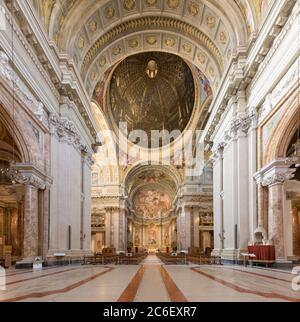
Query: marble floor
149	282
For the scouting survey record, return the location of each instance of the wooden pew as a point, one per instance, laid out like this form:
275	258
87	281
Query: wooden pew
168	259
131	260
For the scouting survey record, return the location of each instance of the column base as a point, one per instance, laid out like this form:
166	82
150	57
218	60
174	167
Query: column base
216	252
63	257
283	264
26	263
230	256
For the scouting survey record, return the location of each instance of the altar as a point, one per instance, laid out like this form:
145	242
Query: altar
264	254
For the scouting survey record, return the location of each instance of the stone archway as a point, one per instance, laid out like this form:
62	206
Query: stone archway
24	186
278	188
151	191
11	199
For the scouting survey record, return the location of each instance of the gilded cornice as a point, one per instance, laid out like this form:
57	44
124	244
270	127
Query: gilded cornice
149	23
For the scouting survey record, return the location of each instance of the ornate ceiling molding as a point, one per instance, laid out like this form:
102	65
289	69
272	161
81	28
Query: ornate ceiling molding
94	17
155	175
150	23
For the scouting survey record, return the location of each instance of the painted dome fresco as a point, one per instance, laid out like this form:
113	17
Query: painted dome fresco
152	91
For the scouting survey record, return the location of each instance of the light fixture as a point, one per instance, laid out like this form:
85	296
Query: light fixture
152	69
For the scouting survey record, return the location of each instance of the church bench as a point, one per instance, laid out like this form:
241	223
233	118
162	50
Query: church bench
88	260
173	260
109	259
133	260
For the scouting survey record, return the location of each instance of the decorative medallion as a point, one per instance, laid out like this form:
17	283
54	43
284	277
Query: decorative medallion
151	3
133	43
173	4
151	40
129	4
81	42
223	38
211	72
93	26
194	9
93	76
116	50
170	42
211	22
102	61
110	12
201	58
187	48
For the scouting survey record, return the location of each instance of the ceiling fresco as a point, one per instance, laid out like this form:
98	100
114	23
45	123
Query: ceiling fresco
152	91
97	34
152	204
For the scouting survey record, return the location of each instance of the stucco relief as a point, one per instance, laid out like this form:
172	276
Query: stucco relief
279	91
15	83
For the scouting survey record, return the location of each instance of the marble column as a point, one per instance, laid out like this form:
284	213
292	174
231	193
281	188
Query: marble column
45	223
276	232
252	153
296	232
274	180
122	231
192	227
108	232
218	198
20	228
185	229
31	223
196	218
262	207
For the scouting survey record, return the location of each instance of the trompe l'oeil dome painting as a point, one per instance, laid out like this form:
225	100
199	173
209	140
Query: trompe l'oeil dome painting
152	92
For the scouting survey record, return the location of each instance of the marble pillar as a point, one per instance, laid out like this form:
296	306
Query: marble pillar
263	207
31	223
276	230
196	218
185	229
122	231
44	224
108	233
296	232
192	227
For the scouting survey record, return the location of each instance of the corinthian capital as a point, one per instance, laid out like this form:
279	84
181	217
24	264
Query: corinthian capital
242	123
28	179
277	178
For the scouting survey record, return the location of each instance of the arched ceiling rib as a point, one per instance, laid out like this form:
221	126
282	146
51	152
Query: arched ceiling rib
97	34
143	176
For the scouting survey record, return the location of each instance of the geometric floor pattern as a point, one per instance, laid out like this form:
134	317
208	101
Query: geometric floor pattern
150	282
